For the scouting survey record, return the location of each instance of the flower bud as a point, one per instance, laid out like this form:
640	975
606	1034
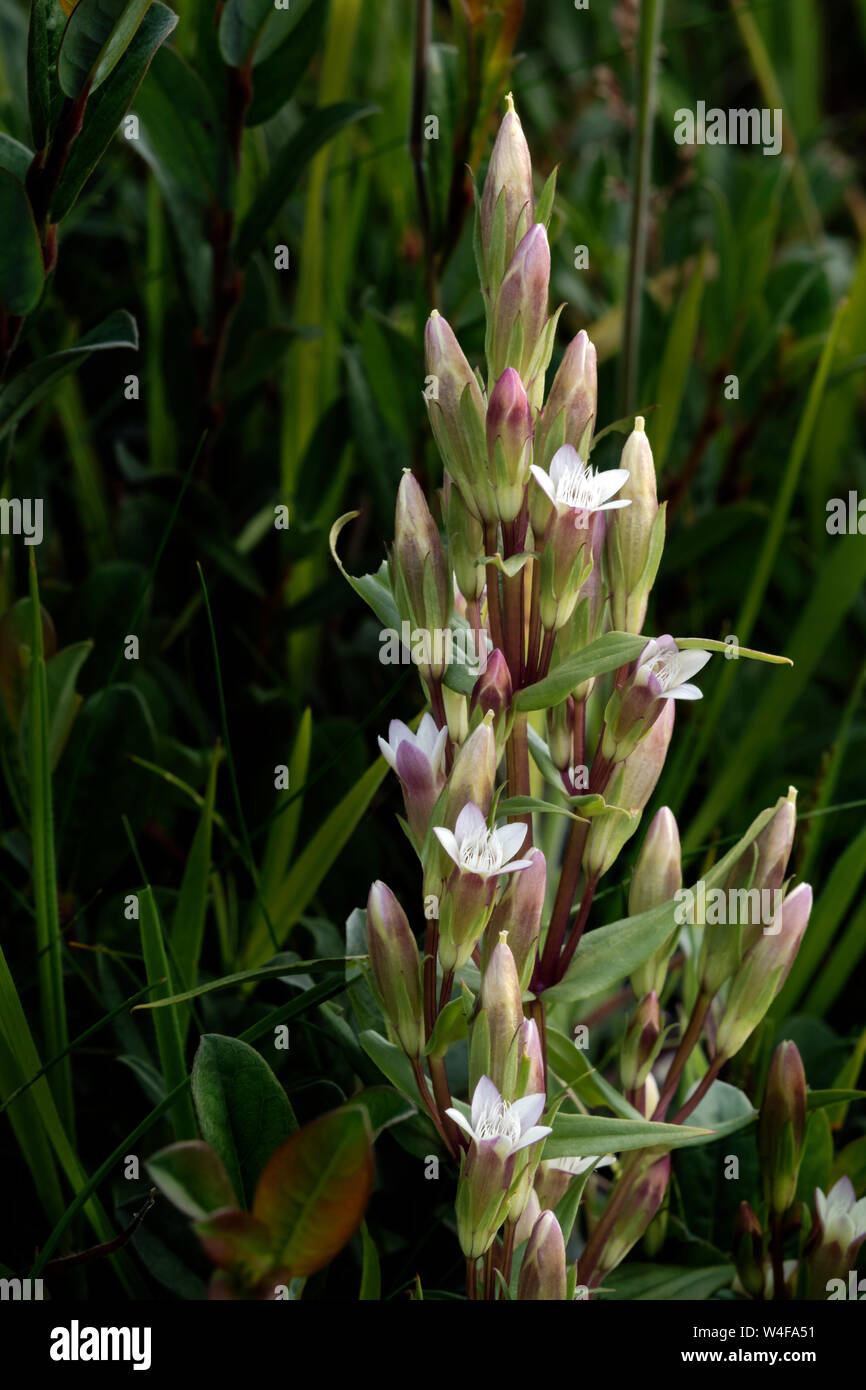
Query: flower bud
542	1274
642	1043
491	694
422	583
762	973
507	204
657	876
520	310
749	1251
473	774
501	997
465	542
635	537
782	1127
648	1188
396	967
456	715
572	403
528	1217
456	409
519	912
509	443
560	734
531	1080
631	787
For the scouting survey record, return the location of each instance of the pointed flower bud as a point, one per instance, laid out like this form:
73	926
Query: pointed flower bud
465	542
834	1242
641	1044
492	693
509	443
782	1127
507	205
628	792
636	537
542	1273
456	409
473	773
501	997
530	1076
749	1251
657	877
647	1193
422	583
519	913
396	967
762	973
572	404
520	310
560	734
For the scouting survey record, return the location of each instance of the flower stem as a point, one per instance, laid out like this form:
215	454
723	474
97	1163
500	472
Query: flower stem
695	1099
682	1054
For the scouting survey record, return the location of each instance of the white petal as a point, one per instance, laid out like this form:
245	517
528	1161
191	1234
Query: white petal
397	731
448	842
543	481
617	502
387	753
690	662
428	732
461	1121
565	460
529	1108
469	822
510	838
650	652
486	1095
683	692
513	867
609	482
531	1136
438	749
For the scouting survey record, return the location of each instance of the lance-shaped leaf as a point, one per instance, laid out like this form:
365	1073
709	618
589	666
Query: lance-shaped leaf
96	38
44	97
22	271
287	166
15	158
240	28
27	388
277	73
242	1109
192	1176
608	653
313	1193
105	109
579	1136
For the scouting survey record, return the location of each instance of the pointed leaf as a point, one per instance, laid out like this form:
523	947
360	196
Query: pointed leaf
97	35
192	1176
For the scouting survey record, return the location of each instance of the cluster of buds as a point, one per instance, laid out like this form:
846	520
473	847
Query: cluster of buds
538	557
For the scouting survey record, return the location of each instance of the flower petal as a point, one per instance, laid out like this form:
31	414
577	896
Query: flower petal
387	753
510	838
566	460
470	822
532	1136
543	481
609	482
486	1095
461	1121
529	1109
690	662
448	842
683	692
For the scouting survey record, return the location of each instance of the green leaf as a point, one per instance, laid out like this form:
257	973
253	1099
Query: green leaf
313	1192
608	653
371	1274
187	929
639	1282
237	1241
61	673
277	74
817	1100
22	271
724	1110
330	965
286	168
29	386
47	23
383	1107
523	805
240	26
192	1176
97	35
14	157
165	1024
243	1111
105	110
579	1136
816	1165
574	1069
677	362
391	1061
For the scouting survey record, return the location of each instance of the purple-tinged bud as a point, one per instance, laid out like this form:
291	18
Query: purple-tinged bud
763	863
782	1127
422	582
629	790
645	1197
528	1217
520	311
507	205
456	409
636	535
749	1251
473	773
509	443
465	542
657	877
396	967
560	734
519	913
418	761
572	404
531	1077
491	693
542	1274
642	1043
762	973
501	996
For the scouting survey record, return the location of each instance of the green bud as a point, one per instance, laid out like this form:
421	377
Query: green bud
422	583
520	311
635	536
465	542
642	1043
509	443
507	205
657	876
501	997
396	967
782	1127
648	1186
519	913
457	414
762	973
631	786
571	406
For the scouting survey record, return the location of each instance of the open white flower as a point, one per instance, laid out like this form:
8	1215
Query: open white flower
573	486
503	1126
477	850
662	662
429	740
576	1166
842	1216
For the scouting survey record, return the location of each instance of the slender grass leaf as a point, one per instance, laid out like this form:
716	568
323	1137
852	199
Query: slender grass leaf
168	1039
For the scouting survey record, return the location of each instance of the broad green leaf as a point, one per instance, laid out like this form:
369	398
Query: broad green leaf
168	1040
105	109
14	157
180	132
817	1100
391	1061
192	1176
22	271
579	1136
816	1165
243	1111
574	1069
96	37
634	1283
608	653
314	1190
241	23
287	166
523	805
276	75
236	1241
47	23
23	391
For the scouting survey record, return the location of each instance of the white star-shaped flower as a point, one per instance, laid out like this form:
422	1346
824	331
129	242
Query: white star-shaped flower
842	1216
506	1127
572	486
477	850
672	669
